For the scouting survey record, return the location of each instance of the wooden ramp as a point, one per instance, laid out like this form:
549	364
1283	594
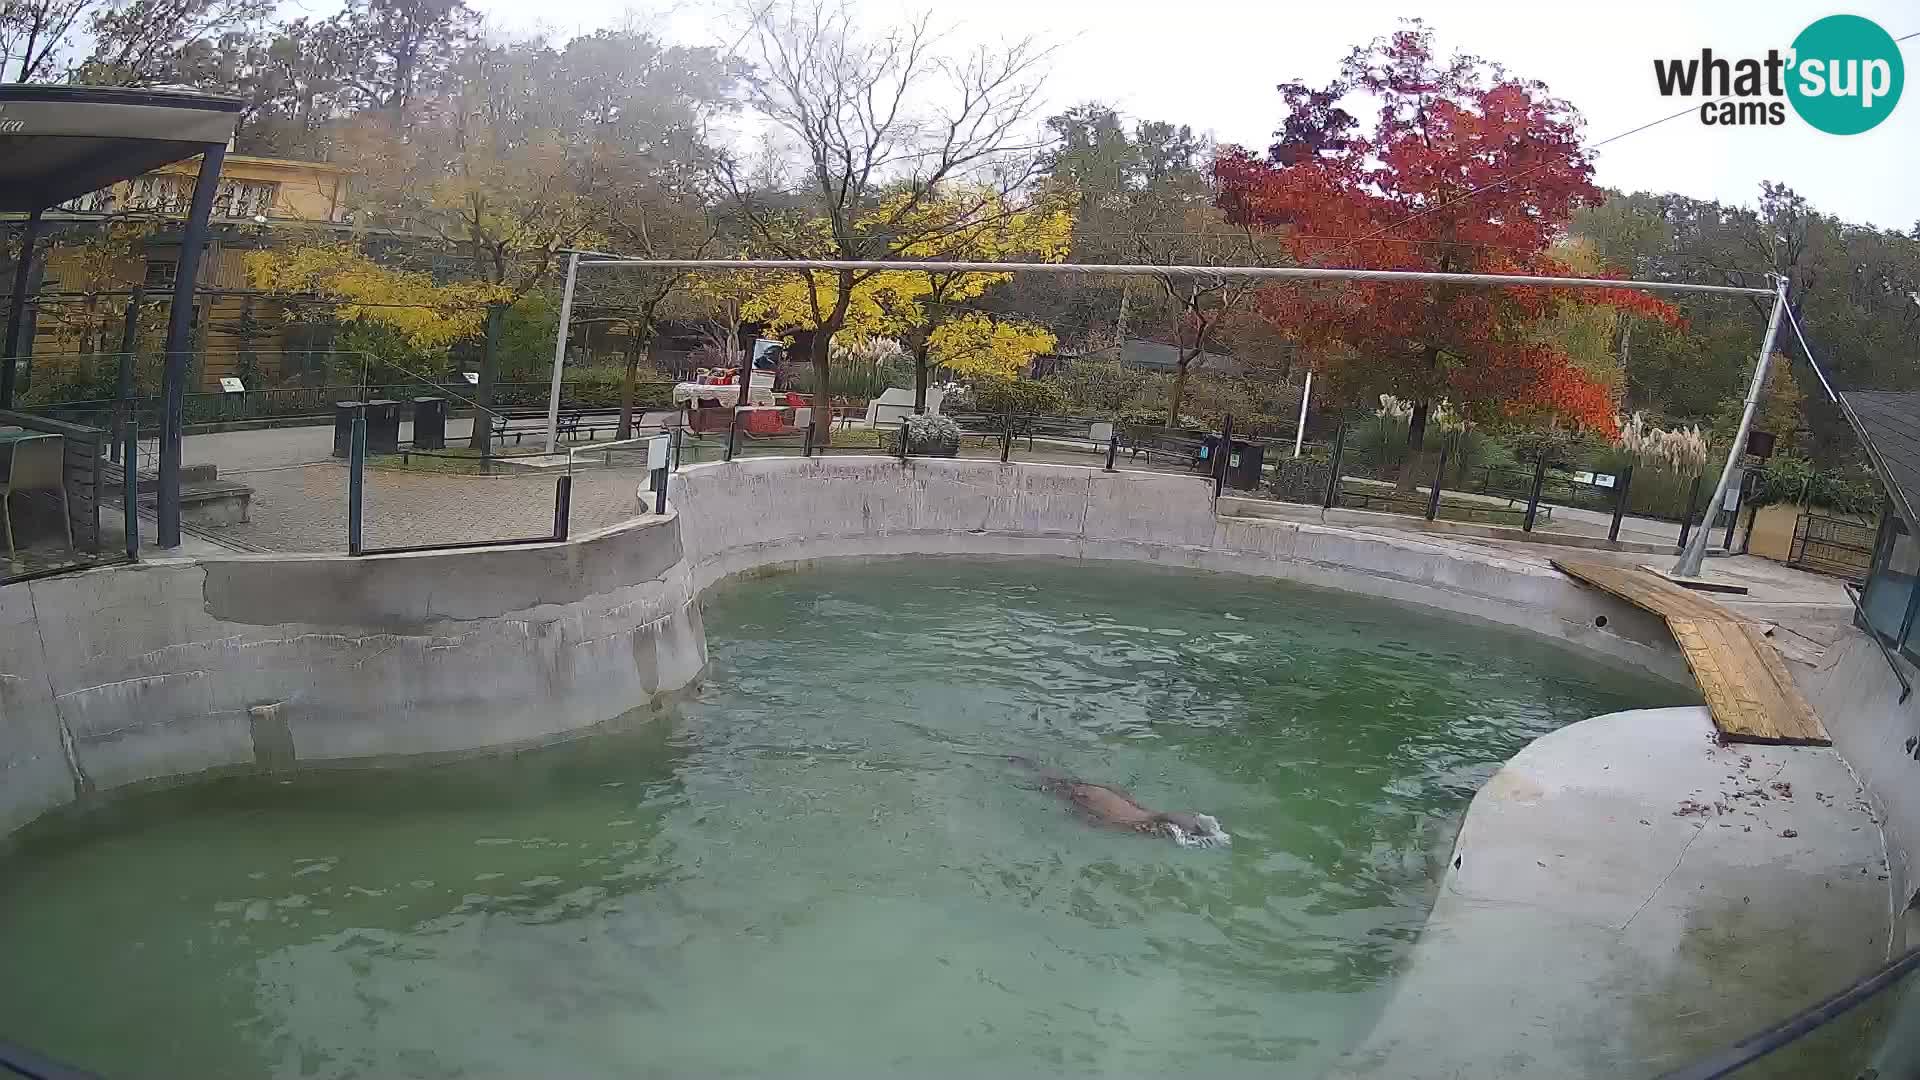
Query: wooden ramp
1746	684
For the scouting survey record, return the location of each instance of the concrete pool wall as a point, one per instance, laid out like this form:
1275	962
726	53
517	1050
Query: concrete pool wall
175	667
754	512
123	675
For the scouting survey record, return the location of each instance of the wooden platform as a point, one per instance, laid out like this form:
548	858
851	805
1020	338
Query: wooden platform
1746	683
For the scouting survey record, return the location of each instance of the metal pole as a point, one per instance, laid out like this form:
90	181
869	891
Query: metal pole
1690	559
1693	504
1006	435
903	442
1533	500
806	440
1300	429
123	386
1439	474
1224	455
733	432
356	479
1333	476
1256	273
130	485
17	306
1733	520
1113	449
179	342
678	434
660	490
1619	503
562	505
560	355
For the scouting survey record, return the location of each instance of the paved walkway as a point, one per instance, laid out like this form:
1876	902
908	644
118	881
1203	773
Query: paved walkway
300	495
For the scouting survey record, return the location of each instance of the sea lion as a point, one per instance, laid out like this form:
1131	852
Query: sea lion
1107	804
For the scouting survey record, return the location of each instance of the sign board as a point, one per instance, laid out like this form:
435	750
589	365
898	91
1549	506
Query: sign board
1583	478
1604	480
231	385
1099	432
473	377
657	451
1732	499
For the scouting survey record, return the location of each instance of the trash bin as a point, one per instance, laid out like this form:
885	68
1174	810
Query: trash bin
343	427
429	423
1243	465
383	426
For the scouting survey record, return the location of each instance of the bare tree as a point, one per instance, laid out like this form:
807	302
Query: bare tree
883	125
34	33
1194	235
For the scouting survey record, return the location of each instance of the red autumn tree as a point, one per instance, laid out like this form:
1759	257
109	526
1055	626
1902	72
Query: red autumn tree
1465	170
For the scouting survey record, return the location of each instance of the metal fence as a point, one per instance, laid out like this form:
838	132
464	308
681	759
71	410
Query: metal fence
1832	546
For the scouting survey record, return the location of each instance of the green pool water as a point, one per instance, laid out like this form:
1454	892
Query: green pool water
819	864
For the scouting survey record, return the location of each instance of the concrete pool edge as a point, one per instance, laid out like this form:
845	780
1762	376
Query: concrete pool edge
1609	923
120	677
743	515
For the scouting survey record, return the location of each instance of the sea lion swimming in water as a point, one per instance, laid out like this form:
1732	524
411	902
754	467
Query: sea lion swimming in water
1106	804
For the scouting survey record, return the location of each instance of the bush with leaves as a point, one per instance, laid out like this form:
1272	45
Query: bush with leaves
595	387
1100	388
927	436
1026	397
1796	480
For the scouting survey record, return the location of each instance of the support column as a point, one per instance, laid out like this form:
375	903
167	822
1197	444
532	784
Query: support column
1696	548
179	329
17	307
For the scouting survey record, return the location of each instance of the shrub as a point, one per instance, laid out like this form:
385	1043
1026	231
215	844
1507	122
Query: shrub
1024	396
1100	388
928	436
1796	480
592	388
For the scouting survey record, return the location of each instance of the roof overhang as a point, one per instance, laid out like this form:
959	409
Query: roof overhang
60	142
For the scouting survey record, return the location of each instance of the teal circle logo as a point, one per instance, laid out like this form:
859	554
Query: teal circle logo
1847	74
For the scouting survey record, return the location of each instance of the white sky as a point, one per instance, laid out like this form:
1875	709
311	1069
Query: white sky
1213	64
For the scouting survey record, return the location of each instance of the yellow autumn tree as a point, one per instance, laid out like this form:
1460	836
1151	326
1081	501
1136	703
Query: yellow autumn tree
427	314
977	344
963	224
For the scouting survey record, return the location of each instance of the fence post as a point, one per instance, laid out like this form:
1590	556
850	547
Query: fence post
1533	500
356	474
660	490
130	482
733	433
1223	455
903	441
678	434
1439	476
123	386
562	504
1113	449
1733	522
806	441
1686	519
1619	503
1006	435
1333	476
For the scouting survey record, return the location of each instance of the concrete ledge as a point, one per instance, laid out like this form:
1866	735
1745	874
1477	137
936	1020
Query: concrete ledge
747	513
1265	508
1625	895
128	675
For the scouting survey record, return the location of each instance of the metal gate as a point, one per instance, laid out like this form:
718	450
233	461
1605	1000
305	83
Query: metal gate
1832	546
